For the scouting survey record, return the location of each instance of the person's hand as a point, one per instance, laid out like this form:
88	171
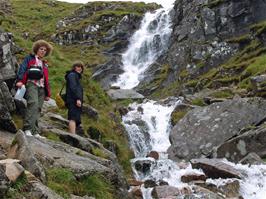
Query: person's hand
19	84
78	103
47	98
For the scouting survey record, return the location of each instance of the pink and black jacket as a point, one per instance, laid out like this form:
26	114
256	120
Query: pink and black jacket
22	75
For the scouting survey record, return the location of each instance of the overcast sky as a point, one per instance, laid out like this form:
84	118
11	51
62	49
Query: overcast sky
165	3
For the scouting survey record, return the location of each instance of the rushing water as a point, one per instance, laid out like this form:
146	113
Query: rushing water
146	45
148	123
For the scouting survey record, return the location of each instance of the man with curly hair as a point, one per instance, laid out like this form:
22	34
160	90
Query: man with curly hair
33	73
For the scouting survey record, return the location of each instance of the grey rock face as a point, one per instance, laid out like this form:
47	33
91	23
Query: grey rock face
237	148
7	74
200	31
108	73
7	59
204	128
21	150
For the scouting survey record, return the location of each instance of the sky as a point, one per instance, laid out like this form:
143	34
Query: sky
164	3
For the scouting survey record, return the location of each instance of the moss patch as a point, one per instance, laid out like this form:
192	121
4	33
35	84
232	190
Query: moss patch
63	182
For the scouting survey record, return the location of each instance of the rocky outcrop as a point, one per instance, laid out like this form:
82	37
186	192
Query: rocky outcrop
237	148
8	65
96	19
204	37
205	128
108	73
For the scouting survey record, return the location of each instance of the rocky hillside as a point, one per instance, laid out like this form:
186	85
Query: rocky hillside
214	44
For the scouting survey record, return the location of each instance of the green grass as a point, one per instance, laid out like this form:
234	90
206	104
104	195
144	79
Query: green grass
63	182
19	189
39	18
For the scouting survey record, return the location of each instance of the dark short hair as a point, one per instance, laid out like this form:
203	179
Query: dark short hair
36	45
78	63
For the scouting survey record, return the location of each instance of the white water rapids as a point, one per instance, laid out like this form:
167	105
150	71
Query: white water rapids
148	123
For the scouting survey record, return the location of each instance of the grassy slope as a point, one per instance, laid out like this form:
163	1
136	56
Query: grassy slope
38	18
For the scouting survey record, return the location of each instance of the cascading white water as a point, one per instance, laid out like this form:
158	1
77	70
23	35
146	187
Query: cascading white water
146	45
148	125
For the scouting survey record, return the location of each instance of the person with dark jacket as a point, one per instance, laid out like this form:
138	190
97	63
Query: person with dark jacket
33	74
74	95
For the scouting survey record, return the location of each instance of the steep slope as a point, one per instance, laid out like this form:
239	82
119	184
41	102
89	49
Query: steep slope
214	44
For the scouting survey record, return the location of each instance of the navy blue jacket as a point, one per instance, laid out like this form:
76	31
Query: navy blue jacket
74	89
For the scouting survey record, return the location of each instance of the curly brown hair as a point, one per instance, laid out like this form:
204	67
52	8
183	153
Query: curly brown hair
78	63
36	45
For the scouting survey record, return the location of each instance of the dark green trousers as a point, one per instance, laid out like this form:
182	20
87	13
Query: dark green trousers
35	98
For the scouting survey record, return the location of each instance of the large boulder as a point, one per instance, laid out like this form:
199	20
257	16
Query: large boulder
237	148
21	150
204	128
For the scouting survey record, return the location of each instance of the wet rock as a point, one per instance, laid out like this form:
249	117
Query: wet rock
143	166
229	189
162	183
21	150
200	192
149	183
136	193
123	111
124	94
215	125
153	154
192	177
133	182
161	192
215	168
237	148
251	159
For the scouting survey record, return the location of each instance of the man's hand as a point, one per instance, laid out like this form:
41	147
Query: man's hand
78	103
19	84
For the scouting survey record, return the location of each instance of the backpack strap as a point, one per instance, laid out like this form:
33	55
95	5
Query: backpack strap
62	88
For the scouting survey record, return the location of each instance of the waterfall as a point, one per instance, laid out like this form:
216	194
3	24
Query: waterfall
146	45
148	123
